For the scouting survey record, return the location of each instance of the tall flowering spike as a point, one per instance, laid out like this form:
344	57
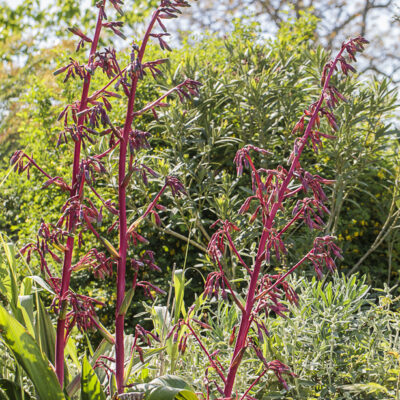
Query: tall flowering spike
83	121
264	292
129	78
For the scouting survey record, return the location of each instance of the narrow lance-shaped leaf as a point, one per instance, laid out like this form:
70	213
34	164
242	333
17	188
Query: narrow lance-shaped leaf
90	384
168	387
179	287
27	353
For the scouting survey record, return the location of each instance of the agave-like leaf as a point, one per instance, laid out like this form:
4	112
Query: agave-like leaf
12	391
90	384
167	387
27	353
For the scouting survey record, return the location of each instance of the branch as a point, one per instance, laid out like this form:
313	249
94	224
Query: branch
182	237
214	365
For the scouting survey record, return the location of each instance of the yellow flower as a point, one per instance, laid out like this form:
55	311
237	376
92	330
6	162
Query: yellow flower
356	234
381	174
348	237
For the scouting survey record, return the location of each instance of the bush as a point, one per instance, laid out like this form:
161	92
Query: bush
252	92
341	341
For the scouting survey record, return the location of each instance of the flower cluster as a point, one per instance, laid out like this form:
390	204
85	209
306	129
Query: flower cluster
323	251
272	188
83	213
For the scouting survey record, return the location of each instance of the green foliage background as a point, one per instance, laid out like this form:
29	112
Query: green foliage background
254	89
253	92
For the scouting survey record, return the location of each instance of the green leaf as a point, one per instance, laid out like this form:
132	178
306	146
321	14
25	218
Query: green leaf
369	388
12	390
3	396
10	284
90	384
70	349
161	319
103	348
179	286
5	282
126	302
45	332
28	355
26	308
168	387
41	282
135	364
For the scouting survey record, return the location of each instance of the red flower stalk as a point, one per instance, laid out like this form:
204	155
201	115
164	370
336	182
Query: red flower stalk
75	190
265	292
83	120
53	235
134	72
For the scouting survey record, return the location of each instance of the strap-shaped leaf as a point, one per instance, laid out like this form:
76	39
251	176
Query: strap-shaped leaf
90	384
167	387
74	385
12	390
179	286
31	359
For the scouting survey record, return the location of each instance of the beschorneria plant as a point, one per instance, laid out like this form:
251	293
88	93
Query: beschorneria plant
83	121
274	190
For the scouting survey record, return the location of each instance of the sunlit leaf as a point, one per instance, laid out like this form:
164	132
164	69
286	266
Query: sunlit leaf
28	355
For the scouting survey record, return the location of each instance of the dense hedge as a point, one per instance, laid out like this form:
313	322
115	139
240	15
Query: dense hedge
253	91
